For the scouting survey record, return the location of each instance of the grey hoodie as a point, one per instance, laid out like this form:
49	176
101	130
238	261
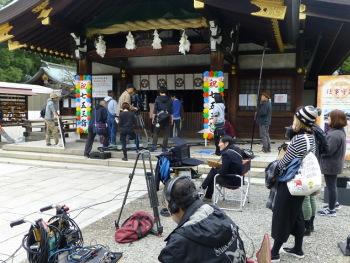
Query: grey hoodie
219	112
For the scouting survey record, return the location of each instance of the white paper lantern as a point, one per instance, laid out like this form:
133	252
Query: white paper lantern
157	42
185	44
130	42
100	46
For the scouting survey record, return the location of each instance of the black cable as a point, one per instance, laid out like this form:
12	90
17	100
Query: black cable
100	203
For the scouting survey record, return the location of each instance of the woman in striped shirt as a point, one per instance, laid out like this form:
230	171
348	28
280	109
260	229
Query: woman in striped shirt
287	216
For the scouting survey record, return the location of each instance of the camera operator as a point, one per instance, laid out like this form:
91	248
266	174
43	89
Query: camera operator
203	234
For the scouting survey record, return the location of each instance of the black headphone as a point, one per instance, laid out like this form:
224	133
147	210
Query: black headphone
172	206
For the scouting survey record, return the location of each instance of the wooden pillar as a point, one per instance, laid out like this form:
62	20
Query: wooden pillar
232	95
300	73
84	67
217	60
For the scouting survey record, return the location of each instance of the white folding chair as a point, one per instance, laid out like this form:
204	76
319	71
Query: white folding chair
220	191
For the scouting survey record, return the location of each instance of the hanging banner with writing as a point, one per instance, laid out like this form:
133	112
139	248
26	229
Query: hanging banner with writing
213	82
83	99
334	93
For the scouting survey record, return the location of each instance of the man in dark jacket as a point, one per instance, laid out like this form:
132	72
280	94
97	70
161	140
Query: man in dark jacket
232	164
263	117
204	234
99	118
162	118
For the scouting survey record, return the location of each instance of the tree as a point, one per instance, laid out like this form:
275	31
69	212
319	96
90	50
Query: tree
4	2
345	68
17	65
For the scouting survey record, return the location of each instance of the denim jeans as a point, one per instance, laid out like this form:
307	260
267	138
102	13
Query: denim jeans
112	128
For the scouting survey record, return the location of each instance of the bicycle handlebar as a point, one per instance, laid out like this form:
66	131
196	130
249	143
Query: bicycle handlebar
46	208
16	223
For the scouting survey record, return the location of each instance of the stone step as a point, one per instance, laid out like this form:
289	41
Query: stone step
112	162
261	160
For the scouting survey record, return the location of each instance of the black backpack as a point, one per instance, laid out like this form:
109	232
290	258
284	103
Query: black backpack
321	141
42	112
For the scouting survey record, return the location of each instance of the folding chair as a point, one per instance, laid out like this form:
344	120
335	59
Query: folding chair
243	189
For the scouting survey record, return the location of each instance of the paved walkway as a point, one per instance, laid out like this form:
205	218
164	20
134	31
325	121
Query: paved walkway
24	189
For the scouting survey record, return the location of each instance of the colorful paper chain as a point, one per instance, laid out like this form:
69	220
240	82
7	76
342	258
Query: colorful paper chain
206	92
88	102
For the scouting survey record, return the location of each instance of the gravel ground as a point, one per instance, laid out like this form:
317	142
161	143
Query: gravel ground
255	220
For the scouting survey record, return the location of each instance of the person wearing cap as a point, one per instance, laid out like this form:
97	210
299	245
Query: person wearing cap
204	234
112	111
126	97
263	117
287	217
51	112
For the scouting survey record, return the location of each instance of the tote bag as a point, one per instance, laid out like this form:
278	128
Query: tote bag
308	178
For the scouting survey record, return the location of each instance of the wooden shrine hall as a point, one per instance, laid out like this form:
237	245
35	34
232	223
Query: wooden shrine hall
153	43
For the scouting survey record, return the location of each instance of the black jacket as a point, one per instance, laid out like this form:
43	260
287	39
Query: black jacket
163	103
127	121
100	114
231	161
205	235
264	113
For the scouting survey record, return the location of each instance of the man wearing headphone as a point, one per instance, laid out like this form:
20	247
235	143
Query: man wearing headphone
204	234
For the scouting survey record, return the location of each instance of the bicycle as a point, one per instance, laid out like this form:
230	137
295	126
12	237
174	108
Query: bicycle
45	241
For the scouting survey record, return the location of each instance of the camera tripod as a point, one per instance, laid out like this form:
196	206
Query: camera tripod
151	188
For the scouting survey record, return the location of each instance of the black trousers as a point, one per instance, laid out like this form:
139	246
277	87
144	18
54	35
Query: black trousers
132	136
331	183
208	183
166	132
90	141
287	218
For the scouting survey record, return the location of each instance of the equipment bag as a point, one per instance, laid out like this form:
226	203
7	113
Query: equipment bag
42	112
308	178
137	226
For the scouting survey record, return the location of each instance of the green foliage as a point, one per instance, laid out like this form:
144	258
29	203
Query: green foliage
19	65
345	68
4	2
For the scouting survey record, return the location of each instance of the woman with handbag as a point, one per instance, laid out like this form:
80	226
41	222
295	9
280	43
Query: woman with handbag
97	125
287	218
332	162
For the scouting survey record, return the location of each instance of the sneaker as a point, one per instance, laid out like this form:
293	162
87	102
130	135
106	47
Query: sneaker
48	144
293	252
124	159
201	192
337	206
275	258
327	212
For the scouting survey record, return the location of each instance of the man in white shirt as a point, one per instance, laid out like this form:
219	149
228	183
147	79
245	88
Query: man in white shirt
112	106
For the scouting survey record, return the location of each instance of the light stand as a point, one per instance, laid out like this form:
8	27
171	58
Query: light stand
259	85
151	188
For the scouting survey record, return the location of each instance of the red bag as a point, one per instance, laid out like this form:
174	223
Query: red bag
137	226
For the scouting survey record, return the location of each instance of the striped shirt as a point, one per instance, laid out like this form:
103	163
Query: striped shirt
296	149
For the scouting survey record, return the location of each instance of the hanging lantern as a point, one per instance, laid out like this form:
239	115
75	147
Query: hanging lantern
157	42
130	42
185	44
100	46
